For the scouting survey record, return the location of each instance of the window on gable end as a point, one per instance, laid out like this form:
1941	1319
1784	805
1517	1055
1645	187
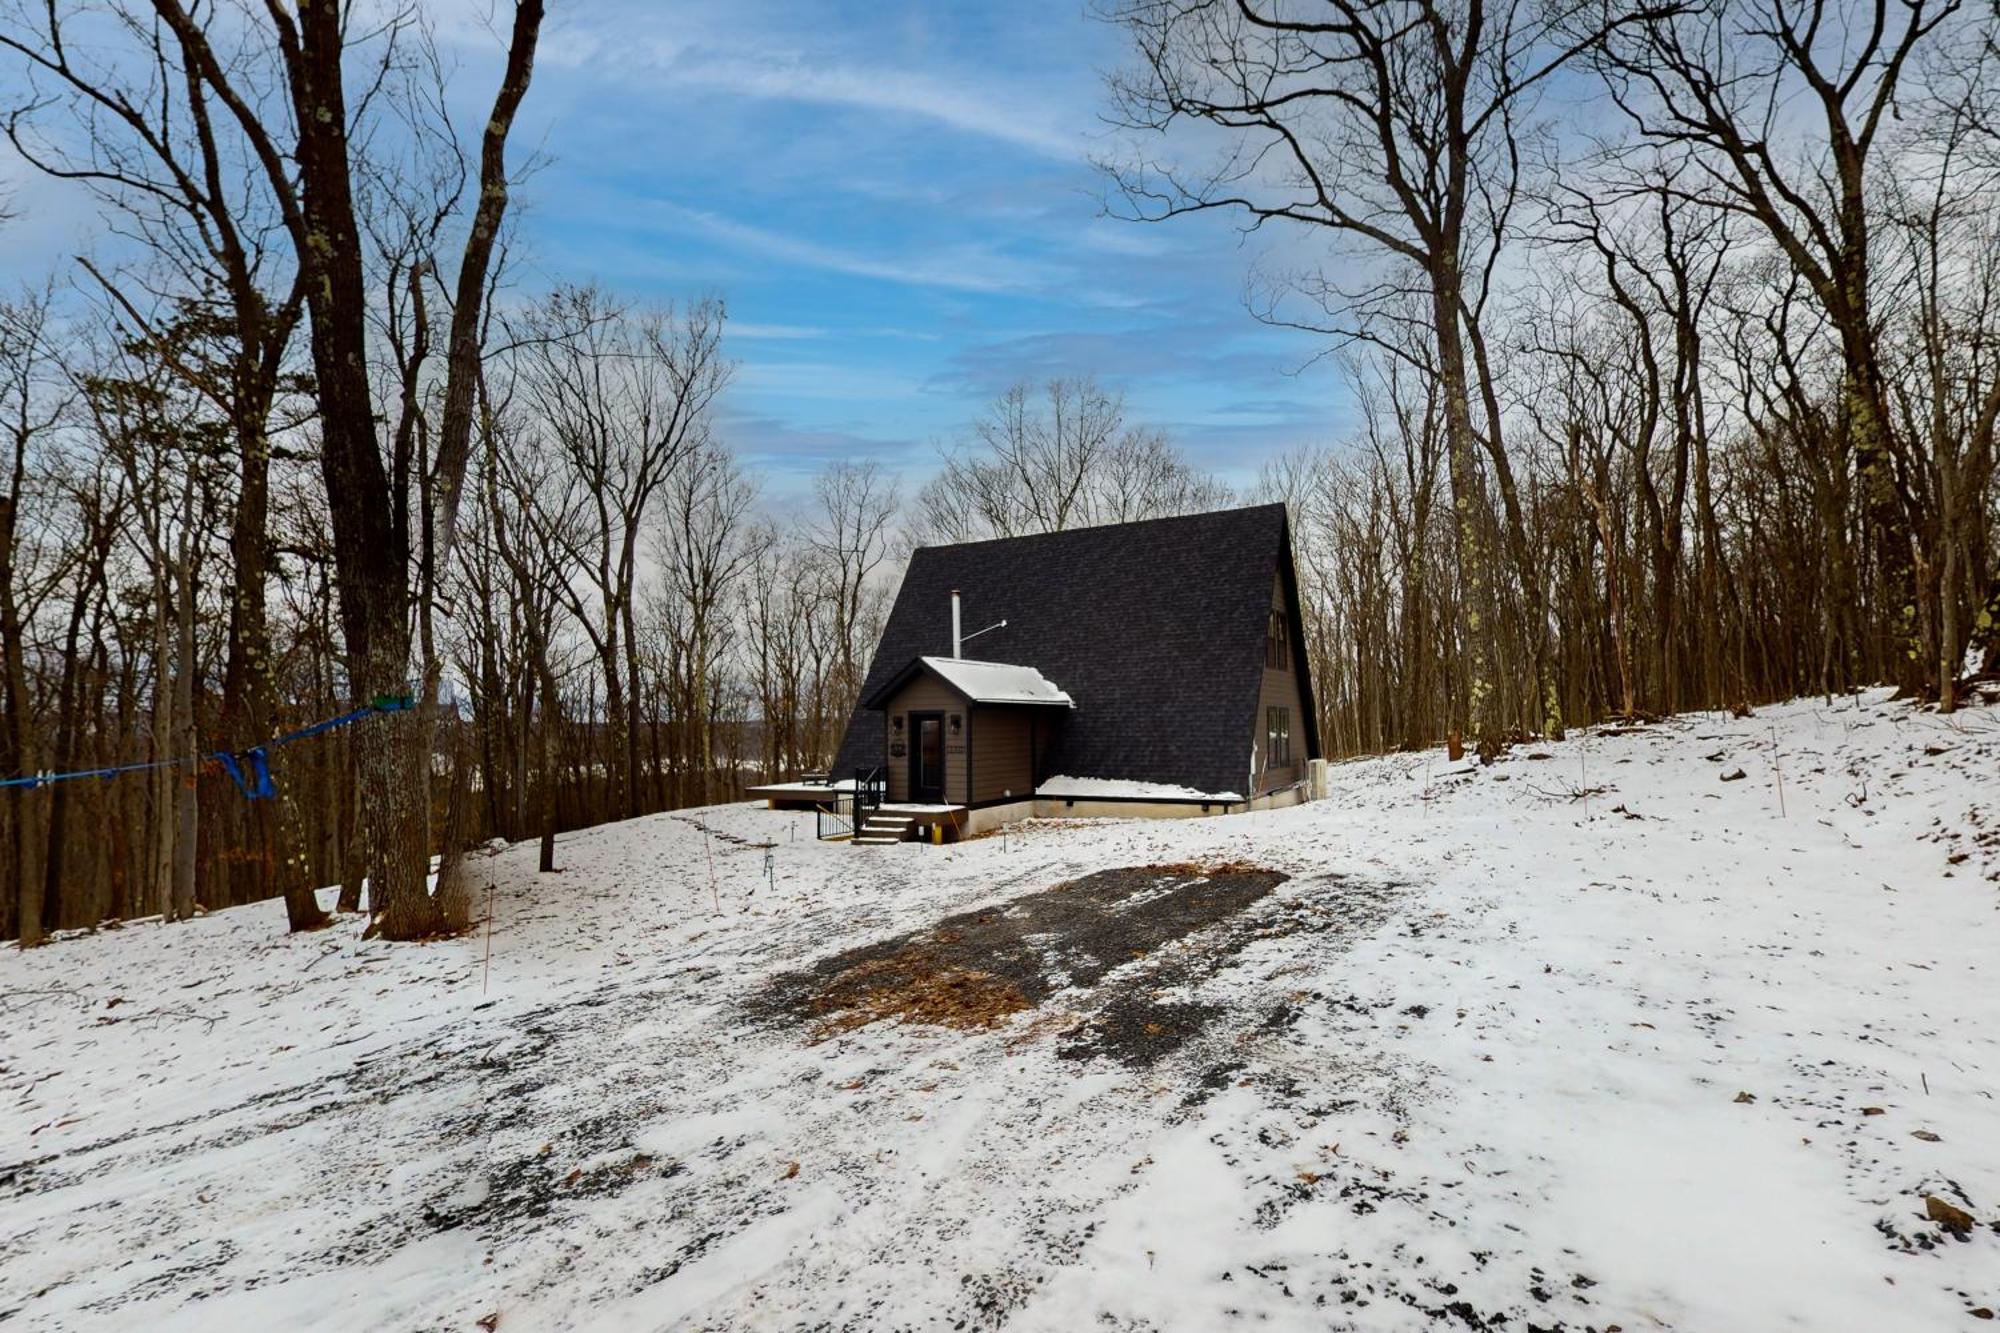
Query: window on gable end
1277	737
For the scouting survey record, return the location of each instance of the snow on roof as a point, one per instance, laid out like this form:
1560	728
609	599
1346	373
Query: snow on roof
998	682
1062	787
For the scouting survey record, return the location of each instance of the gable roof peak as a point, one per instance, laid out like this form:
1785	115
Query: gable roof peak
1233	510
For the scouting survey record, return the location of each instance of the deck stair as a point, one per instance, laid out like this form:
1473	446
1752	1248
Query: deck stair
883	826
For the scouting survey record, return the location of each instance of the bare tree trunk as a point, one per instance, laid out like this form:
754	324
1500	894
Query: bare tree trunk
454	891
636	799
1989	619
1472	514
20	750
184	787
159	885
353	848
68	706
545	758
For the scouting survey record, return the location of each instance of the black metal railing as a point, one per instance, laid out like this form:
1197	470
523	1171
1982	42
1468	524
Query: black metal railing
870	788
843	816
831	823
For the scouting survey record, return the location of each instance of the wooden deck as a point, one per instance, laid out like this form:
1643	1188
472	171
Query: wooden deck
798	795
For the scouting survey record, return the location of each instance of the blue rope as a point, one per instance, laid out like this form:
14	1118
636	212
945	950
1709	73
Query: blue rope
330	724
45	779
256	785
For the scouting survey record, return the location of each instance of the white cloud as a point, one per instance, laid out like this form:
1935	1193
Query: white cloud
960	268
774	332
752	52
830	381
993	113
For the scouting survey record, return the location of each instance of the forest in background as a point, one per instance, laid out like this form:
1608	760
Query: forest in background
1692	408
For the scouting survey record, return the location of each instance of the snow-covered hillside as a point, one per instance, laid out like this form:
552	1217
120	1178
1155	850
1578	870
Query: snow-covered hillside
1601	1037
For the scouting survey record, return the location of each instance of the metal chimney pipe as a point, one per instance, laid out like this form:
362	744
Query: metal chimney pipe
954	622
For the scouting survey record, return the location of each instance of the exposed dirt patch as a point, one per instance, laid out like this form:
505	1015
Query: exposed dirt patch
916	985
976	968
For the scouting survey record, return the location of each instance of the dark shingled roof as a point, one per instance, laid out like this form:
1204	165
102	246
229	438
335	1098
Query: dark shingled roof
1155	629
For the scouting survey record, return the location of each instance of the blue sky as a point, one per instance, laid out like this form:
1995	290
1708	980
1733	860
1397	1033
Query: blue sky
896	201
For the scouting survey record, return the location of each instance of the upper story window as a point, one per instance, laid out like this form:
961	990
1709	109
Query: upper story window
1277	644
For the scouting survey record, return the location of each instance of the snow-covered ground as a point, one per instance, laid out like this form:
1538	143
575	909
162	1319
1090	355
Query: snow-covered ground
1497	1054
1063	787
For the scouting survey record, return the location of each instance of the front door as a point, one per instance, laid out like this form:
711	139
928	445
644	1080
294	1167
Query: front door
927	758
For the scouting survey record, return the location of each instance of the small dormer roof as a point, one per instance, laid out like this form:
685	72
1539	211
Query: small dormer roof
980	682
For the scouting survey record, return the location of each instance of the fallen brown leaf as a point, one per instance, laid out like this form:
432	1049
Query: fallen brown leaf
1949	1216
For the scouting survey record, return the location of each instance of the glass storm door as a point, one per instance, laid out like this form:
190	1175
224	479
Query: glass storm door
927	758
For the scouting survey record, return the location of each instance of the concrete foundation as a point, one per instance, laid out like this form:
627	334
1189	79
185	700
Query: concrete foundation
1082	808
987	818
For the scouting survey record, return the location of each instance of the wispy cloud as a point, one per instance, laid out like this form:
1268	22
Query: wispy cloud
774	332
780	447
830	381
970	106
1162	351
967	268
735	63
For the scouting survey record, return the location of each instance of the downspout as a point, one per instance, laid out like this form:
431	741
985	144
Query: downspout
954	624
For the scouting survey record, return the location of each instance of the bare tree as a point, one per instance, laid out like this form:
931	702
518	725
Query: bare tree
159	152
309	55
702	552
624	404
536	514
179	150
850	535
1719	80
1059	459
34	394
1396	128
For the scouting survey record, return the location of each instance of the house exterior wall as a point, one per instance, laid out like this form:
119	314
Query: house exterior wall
1280	689
925	694
1001	752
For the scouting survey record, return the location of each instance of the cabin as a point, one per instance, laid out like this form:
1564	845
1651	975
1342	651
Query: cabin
1151	668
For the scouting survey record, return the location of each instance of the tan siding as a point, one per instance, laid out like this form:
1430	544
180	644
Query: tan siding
1000	753
926	694
1280	689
